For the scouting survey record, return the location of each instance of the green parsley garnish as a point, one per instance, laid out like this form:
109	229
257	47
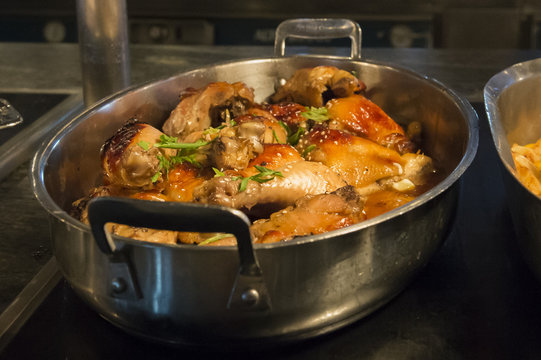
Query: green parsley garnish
276	137
316	114
155	177
215	238
164	164
307	150
170	142
144	145
218	173
182	158
264	175
186	153
213	130
292	137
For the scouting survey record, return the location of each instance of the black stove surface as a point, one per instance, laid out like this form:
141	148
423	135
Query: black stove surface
475	300
30	106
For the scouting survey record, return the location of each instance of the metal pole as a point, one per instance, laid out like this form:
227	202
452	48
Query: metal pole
104	47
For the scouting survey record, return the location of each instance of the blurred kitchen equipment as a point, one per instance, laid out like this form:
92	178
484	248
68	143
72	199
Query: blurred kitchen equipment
104	47
9	116
312	285
513	106
486	28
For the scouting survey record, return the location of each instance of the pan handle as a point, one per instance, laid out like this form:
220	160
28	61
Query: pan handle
249	290
318	29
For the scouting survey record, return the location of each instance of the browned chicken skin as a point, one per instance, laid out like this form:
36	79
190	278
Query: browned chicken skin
125	162
298	178
200	109
273	157
289	113
274	132
181	181
362	117
311	214
314	86
356	165
236	146
363	163
359	161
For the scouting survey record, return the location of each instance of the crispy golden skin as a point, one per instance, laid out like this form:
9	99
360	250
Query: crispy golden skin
128	157
362	117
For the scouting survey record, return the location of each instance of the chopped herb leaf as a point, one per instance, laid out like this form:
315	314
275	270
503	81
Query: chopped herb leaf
164	164
218	173
168	144
316	114
307	150
244	184
213	130
285	127
144	145
155	177
276	137
292	137
215	238
264	175
179	159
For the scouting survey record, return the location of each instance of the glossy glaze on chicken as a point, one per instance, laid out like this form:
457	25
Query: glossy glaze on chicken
317	157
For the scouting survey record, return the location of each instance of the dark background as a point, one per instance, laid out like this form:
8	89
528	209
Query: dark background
386	23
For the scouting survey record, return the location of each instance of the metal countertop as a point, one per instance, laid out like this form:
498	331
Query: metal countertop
55	68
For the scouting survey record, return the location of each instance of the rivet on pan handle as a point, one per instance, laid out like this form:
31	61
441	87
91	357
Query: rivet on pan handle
249	291
318	29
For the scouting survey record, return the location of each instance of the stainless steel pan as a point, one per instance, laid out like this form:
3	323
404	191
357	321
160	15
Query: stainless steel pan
274	292
512	101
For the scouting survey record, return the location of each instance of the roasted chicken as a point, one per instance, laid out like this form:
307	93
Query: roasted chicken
200	109
290	178
311	214
362	117
315	86
128	159
319	157
363	163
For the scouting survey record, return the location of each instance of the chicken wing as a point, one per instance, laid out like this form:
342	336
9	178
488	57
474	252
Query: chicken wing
311	214
288	182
